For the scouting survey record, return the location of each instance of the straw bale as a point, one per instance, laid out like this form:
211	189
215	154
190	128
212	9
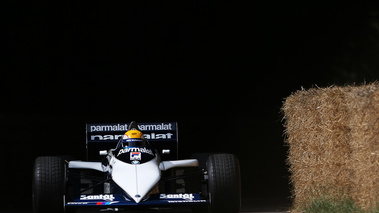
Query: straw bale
363	102
330	133
316	134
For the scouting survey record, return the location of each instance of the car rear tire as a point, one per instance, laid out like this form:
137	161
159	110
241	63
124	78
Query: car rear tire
224	183
49	185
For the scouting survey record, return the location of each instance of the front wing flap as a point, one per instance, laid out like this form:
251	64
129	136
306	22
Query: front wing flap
154	200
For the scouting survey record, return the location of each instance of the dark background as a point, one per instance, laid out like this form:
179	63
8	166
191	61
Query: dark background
220	69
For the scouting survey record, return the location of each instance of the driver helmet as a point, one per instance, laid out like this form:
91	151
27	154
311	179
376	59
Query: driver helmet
134	138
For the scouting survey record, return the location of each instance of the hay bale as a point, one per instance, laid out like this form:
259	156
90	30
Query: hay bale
316	131
322	126
363	104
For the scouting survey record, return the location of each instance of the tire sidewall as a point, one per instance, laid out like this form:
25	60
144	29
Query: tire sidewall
224	183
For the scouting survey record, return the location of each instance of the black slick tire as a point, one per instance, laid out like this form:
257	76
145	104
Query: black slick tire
49	185
224	183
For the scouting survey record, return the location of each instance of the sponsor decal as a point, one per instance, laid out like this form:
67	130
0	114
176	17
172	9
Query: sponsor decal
124	127
158	136
141	150
97	197
177	196
151	136
152	127
135	162
108	128
78	203
187	201
105	137
106	203
91	203
135	156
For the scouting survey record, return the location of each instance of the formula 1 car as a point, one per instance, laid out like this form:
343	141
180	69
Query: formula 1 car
133	176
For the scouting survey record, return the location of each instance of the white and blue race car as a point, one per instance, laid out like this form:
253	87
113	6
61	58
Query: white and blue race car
135	175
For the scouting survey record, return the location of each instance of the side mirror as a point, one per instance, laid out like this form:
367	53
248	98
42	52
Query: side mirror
103	152
166	151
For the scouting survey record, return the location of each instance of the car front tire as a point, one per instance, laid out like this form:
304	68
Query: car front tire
224	183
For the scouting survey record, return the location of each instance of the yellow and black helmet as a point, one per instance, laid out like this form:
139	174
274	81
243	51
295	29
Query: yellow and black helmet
134	138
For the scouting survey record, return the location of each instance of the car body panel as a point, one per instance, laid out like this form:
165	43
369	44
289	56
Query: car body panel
136	180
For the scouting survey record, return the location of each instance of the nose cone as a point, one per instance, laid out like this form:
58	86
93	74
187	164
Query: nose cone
136	180
137	198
